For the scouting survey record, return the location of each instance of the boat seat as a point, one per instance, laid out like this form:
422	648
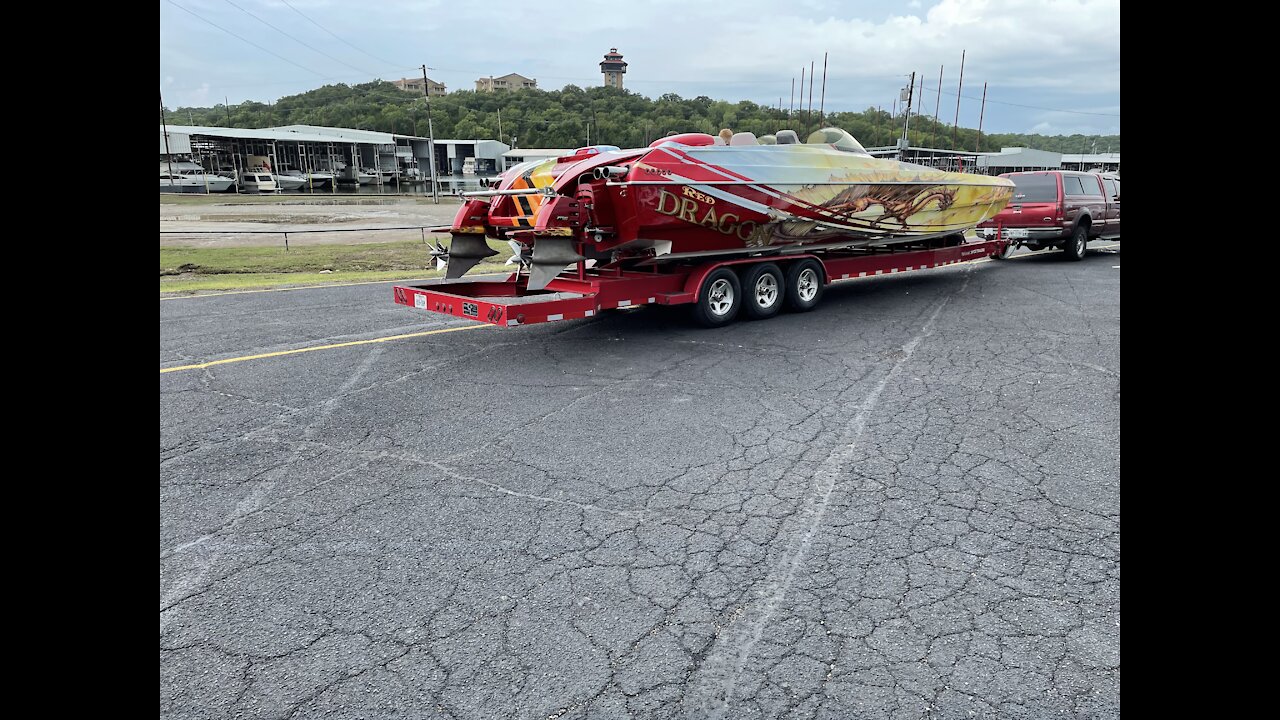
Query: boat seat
767	140
743	138
788	137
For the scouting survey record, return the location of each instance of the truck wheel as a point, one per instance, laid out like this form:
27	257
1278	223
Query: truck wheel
1075	247
719	299
762	287
804	285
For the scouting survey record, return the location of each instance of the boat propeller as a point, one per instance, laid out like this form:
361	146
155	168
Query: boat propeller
517	254
441	254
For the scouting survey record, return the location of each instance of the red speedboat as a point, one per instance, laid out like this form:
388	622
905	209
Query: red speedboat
695	195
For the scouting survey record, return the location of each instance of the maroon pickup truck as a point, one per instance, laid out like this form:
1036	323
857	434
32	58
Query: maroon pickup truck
1059	208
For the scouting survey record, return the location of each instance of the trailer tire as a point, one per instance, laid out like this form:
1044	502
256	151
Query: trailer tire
719	298
763	291
1004	253
804	285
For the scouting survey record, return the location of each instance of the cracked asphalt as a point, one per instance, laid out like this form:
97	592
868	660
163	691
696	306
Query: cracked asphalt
905	504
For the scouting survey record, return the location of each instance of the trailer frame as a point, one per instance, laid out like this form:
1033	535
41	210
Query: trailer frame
585	292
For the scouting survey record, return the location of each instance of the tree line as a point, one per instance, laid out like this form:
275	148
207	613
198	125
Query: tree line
565	117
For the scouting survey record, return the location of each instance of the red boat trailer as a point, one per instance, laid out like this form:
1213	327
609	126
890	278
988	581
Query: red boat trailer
584	292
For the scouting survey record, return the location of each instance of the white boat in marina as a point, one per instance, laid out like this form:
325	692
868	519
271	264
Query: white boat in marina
366	176
210	181
207	181
289	182
411	176
256	181
177	182
315	180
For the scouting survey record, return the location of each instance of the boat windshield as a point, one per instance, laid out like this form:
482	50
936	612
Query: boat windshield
837	137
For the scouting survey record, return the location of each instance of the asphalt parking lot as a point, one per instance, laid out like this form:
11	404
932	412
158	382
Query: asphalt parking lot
905	504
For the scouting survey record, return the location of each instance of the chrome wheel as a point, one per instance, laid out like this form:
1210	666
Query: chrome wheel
766	291
807	284
720	297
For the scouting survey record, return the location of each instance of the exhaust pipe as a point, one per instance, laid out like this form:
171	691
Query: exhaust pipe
609	172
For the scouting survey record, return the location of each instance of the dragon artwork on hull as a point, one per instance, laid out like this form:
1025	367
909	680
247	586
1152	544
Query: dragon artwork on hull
693	196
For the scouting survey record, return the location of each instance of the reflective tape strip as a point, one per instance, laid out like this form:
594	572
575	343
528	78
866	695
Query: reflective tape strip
557	316
624	303
589	313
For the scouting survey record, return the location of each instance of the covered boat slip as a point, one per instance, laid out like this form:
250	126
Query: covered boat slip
585	292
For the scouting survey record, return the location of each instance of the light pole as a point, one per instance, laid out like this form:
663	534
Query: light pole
431	134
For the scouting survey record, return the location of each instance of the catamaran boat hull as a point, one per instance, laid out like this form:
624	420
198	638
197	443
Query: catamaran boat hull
689	197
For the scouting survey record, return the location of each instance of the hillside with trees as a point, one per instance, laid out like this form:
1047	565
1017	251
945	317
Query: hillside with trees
562	118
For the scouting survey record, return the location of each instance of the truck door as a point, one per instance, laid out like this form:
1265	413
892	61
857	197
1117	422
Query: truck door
1113	206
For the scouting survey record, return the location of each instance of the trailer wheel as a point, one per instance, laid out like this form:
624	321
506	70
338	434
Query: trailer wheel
804	285
719	299
762	286
1004	253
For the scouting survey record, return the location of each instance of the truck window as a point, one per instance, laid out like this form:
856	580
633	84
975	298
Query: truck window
1034	188
1113	188
1071	185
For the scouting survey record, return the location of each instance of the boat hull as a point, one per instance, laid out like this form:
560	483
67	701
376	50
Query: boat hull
707	200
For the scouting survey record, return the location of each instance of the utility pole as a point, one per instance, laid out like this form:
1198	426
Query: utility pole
165	127
791	109
955	126
822	99
906	139
937	103
431	135
802	91
810	115
226	107
499	124
981	112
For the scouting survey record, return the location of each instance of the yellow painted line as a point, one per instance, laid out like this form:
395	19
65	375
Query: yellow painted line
300	287
353	343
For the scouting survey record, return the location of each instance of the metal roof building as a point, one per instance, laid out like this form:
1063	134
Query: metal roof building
1091	161
329	148
1016	159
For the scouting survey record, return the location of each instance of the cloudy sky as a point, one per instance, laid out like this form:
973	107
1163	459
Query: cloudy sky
1052	66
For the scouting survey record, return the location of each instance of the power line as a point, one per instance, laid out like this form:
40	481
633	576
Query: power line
304	67
273	27
313	22
1032	107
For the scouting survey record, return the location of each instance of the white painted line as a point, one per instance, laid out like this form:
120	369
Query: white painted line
1115	267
